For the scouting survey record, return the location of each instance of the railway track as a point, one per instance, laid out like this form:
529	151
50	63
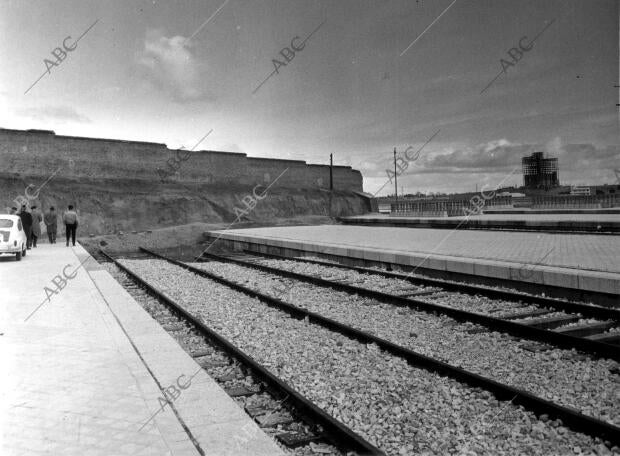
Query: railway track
541	407
558	329
596	311
270	401
539	309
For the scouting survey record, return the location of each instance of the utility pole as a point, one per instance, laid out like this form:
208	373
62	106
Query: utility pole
395	177
331	172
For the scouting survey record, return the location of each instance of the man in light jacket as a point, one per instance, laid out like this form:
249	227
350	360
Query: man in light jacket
70	218
51	224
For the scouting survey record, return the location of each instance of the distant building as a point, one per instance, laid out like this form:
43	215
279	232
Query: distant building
540	172
577	190
512	194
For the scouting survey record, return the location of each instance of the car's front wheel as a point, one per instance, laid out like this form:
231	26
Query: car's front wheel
23	250
18	256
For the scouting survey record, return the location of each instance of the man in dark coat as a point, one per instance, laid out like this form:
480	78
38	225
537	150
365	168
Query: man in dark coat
36	224
27	224
51	224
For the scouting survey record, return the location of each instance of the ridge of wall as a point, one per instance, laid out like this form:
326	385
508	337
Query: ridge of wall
42	152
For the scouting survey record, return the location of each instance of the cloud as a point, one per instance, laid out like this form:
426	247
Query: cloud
456	168
56	114
171	66
554	147
587	157
490	156
368	166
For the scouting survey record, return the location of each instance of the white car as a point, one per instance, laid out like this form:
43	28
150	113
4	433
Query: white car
12	236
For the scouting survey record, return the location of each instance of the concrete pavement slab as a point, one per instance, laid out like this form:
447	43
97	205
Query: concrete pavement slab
581	261
80	376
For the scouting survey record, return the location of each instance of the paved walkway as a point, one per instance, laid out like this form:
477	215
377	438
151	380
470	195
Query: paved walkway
84	374
573	259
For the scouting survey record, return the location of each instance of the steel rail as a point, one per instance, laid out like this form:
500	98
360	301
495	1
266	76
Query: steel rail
334	431
602	313
571	418
598	349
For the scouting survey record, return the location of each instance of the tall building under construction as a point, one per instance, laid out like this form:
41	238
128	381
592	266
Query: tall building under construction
540	172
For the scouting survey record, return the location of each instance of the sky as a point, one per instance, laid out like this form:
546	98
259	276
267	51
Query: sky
367	77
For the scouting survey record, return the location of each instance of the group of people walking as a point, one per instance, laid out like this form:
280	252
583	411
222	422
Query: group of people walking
31	222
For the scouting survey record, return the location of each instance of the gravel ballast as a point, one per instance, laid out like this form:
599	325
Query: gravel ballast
462	301
226	371
591	386
401	409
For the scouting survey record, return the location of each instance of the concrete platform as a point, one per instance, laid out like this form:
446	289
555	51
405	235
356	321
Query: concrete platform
86	372
580	262
592	222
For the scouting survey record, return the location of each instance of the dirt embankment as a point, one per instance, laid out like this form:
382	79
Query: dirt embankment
181	241
113	206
